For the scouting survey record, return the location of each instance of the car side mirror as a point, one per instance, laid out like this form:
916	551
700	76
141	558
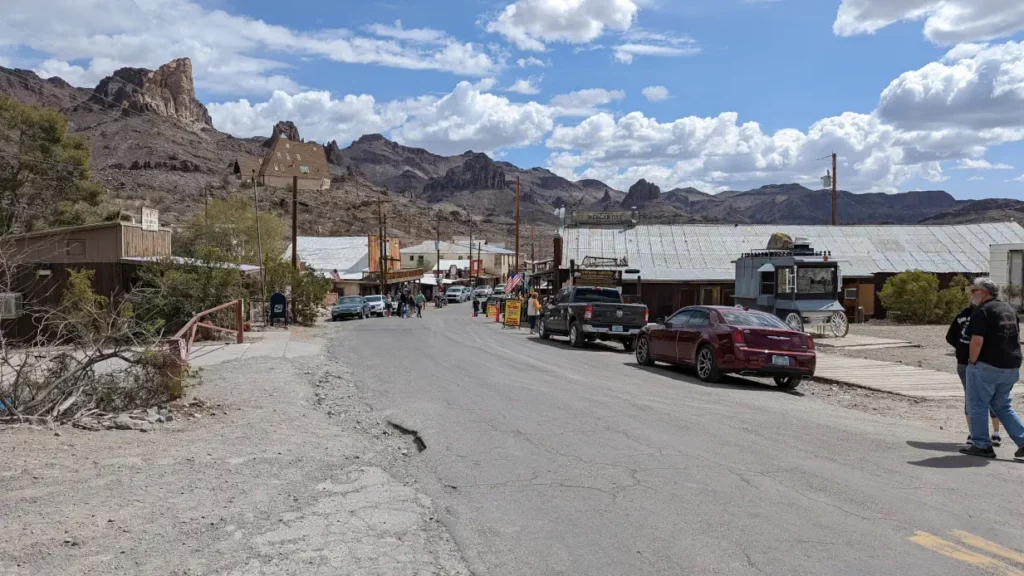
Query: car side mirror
660	321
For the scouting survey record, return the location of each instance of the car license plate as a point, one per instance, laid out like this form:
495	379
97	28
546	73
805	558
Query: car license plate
780	360
616	328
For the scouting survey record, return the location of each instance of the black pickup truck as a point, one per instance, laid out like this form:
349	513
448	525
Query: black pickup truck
585	314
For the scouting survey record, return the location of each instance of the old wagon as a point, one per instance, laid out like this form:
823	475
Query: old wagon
796	283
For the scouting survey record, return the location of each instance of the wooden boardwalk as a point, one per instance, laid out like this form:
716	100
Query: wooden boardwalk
862	342
888	377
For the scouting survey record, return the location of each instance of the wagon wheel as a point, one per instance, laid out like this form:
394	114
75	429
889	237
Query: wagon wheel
839	324
795	322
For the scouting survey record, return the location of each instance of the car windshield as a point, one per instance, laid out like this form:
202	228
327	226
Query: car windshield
598	296
374	298
351	301
752	319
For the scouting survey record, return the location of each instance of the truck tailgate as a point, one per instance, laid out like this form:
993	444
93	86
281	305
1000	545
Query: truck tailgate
618	315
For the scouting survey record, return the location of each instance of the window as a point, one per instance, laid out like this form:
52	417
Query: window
768	283
75	248
298	157
786	283
497	261
287	156
752	319
412	258
699	318
10	305
275	167
598	295
304	169
419	260
278	154
680	318
816	281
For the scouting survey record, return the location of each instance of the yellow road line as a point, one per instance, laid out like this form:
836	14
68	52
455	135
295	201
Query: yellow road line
990	547
947	548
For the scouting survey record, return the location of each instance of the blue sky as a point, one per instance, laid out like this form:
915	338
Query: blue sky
912	94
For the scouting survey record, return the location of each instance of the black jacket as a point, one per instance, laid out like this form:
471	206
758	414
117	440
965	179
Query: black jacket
958	337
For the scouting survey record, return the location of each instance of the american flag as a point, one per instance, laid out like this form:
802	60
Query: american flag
512	284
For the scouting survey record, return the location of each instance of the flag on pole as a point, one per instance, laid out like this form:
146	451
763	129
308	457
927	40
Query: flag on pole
512	284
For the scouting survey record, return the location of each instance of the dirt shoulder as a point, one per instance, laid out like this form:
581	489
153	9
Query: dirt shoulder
266	480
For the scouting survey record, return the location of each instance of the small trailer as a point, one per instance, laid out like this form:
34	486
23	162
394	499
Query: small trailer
796	283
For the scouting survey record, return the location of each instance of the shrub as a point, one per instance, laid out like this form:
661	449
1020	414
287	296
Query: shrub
915	297
306	289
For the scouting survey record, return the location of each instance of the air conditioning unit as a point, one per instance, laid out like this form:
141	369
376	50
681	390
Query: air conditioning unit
850	294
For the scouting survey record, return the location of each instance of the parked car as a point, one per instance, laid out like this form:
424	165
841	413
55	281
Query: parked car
718	340
585	314
457	294
350	307
376	305
482	293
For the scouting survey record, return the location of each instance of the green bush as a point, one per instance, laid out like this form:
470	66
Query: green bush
914	297
306	289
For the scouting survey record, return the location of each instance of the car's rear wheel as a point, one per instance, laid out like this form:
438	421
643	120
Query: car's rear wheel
787	382
542	330
707	365
576	336
643	352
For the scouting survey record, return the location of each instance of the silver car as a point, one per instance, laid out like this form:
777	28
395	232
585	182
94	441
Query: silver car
457	294
376	303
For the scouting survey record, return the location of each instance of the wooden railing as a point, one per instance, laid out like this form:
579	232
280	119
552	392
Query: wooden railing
181	343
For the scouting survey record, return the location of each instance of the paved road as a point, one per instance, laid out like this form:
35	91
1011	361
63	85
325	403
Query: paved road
549	460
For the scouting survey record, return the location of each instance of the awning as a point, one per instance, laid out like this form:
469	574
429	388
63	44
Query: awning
768	267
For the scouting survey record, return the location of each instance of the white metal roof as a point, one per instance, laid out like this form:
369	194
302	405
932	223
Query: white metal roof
349	255
455	248
695	252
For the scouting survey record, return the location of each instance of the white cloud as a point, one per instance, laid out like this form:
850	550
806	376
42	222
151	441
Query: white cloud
529	24
526	86
656	93
231	53
584	102
975	178
981	88
531	61
946	22
1017	179
981	164
650	43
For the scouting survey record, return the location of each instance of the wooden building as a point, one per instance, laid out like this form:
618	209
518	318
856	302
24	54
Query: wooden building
39	265
687	264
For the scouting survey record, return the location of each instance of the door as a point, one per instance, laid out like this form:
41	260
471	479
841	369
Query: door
710	295
557	312
687	297
663	340
690	335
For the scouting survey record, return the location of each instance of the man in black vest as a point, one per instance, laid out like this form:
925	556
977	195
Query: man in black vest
994	368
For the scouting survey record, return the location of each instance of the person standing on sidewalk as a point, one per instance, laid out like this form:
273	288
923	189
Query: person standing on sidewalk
994	367
420	301
959	339
533	311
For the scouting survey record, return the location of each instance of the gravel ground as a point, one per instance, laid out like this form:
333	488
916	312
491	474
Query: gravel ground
933	353
283	472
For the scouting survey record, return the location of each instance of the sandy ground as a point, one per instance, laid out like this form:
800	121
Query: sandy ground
284	473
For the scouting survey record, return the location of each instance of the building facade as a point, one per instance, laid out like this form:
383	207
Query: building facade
287	161
498	262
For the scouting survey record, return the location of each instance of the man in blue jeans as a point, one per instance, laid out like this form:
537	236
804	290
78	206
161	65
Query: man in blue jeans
994	367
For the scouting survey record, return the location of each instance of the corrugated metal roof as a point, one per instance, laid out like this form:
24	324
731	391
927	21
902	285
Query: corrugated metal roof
346	254
454	248
694	252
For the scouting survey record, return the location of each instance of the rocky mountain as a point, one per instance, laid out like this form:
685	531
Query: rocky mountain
985	210
167	91
641	194
285	128
27	86
401	168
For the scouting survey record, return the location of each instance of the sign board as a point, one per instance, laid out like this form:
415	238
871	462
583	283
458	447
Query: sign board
512	312
278	308
617	217
492	312
601	278
476	267
150	219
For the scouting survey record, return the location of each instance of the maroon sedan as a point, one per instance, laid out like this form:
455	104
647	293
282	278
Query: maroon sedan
718	340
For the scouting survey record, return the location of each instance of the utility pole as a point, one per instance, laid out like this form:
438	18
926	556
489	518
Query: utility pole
533	252
835	197
259	247
382	231
295	222
437	246
517	227
471	223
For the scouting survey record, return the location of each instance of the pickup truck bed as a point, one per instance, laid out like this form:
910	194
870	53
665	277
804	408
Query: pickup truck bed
585	314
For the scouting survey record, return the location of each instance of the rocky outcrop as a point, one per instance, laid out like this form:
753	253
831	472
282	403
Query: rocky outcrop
285	128
478	172
641	193
333	153
26	86
167	91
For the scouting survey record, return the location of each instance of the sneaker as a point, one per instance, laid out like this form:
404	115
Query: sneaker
997	441
975	451
1019	453
970	441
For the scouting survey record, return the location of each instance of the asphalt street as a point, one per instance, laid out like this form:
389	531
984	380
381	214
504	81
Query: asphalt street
544	459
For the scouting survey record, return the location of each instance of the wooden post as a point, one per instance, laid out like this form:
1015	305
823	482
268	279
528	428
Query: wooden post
835	195
240	320
295	222
517	271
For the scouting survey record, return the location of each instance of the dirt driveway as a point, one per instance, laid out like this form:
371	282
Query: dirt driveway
281	474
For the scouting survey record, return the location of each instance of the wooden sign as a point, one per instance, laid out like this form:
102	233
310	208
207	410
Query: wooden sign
150	220
512	312
601	278
604	218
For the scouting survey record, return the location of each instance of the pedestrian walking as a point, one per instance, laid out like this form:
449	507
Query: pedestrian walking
993	368
476	307
960	340
533	311
403	305
420	301
387	305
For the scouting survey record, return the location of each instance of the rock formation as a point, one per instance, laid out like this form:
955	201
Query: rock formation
167	91
285	128
479	172
641	193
